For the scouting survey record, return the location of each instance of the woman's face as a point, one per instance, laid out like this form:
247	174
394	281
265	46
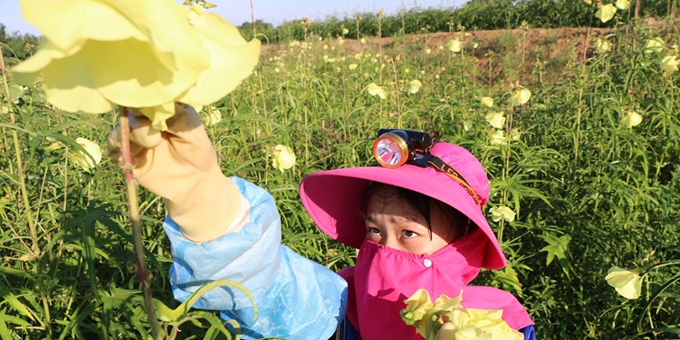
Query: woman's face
393	222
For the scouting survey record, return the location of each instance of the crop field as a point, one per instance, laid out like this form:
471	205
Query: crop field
578	129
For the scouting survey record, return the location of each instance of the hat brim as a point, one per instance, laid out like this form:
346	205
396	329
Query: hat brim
333	200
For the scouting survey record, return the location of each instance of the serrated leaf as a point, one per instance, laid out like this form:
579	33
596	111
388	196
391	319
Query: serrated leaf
557	247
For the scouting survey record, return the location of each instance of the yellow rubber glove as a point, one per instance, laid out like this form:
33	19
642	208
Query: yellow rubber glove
181	166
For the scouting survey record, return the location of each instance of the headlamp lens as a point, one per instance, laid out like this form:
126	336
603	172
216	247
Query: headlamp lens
390	150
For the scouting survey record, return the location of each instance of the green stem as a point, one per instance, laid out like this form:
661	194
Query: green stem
133	207
20	170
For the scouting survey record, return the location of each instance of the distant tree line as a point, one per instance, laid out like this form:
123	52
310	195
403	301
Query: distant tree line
16	46
474	15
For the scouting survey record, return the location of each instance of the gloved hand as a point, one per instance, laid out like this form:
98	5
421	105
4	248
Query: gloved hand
181	166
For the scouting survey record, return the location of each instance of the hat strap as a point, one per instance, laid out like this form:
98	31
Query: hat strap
439	165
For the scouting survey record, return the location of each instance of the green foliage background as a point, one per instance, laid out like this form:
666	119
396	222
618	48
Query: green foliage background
589	192
473	15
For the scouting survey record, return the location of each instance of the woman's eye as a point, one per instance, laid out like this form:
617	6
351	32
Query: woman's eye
374	231
409	234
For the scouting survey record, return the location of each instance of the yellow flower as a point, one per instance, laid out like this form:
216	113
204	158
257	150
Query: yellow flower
375	90
16	91
520	96
417	307
352	66
232	59
487	101
496	119
98	54
669	64
454	45
626	282
498	137
414	86
91	159
606	12
502	213
284	158
345	30
654	45
515	134
589	2
602	45
447	319
467	125
631	119
428	51
157	55
214	116
622	4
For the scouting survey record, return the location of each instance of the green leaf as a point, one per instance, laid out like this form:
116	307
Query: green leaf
508	278
167	314
557	247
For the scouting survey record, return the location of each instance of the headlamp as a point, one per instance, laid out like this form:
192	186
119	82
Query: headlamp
394	148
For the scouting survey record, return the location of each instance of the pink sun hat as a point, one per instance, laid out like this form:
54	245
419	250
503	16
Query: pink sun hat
333	197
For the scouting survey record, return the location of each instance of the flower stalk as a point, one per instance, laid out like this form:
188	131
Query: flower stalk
133	208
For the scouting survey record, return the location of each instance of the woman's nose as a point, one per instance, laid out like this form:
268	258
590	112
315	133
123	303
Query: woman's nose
389	241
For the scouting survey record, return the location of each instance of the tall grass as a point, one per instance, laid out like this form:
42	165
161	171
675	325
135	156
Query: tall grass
589	192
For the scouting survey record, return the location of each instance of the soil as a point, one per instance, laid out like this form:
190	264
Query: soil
498	52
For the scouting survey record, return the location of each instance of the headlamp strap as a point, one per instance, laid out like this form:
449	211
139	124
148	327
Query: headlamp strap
439	165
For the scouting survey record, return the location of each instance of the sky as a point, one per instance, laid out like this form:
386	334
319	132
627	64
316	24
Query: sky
272	11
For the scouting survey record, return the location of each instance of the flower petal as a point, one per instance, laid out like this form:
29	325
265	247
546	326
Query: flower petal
68	22
623	4
496	119
414	86
487	101
91	159
606	12
631	119
375	90
158	114
669	64
232	59
520	96
284	158
626	282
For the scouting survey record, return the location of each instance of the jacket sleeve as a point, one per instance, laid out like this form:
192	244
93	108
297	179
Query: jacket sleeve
529	333
296	297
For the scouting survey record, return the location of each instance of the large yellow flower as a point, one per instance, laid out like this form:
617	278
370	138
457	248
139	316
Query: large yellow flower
97	54
654	45
606	12
496	119
284	158
447	319
487	101
376	90
631	118
454	45
89	159
626	282
414	86
502	213
669	64
520	96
